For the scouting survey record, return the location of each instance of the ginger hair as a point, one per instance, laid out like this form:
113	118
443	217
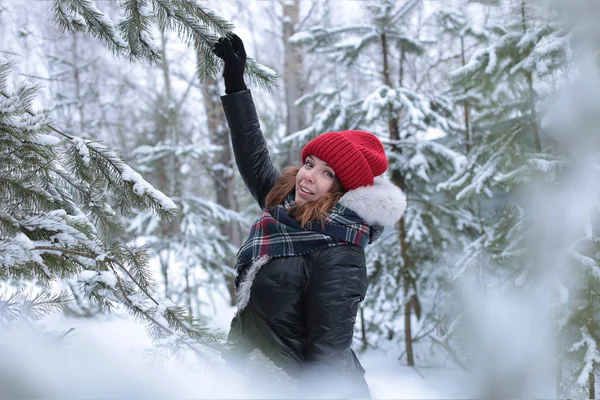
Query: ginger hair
309	210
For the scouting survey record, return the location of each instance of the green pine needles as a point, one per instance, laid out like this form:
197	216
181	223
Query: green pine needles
132	37
61	201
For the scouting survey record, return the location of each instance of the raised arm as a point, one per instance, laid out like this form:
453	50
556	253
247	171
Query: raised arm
249	146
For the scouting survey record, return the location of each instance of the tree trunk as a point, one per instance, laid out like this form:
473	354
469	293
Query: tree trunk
533	114
466	106
592	382
405	275
162	126
77	78
592	377
530	92
363	329
392	122
559	375
408	281
222	179
474	204
164	270
293	75
188	292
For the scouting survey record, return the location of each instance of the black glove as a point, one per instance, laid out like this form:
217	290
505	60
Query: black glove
231	50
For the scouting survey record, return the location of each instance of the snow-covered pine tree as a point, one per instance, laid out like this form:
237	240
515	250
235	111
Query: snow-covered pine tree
406	266
571	116
132	38
73	66
517	56
62	197
191	252
505	146
462	34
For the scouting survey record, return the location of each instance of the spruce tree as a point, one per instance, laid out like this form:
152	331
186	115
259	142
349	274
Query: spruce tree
571	118
99	189
62	200
501	89
191	252
505	139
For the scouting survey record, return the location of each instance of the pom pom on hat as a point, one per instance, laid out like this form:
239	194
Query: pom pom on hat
355	156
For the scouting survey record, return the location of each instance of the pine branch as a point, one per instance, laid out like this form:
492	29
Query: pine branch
171	16
196	25
113	171
96	22
42	304
135	27
175	316
20	306
67	20
104	167
10	309
404	11
30	196
45	235
213	21
450	351
168	321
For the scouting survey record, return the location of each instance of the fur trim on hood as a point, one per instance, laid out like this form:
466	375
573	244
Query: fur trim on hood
383	203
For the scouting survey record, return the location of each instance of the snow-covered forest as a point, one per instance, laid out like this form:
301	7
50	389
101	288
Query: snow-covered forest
121	209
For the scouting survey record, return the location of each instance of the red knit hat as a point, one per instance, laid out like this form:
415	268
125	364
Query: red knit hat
355	156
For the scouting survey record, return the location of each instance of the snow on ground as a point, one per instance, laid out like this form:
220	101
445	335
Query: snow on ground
103	358
107	358
389	378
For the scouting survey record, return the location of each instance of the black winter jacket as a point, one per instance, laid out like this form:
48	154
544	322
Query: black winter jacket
300	311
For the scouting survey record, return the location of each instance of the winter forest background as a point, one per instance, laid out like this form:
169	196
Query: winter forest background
119	196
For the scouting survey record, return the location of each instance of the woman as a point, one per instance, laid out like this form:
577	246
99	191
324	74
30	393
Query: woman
301	272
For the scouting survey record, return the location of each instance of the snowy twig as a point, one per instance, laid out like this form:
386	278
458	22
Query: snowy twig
111	260
49	126
450	352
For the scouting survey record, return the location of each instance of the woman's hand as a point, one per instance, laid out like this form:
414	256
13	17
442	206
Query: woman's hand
231	50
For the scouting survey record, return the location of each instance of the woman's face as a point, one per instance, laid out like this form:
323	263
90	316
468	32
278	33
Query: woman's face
313	180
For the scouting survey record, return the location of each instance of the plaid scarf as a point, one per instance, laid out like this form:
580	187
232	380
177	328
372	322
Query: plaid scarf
276	234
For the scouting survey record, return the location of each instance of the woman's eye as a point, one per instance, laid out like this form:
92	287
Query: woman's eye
329	174
308	164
